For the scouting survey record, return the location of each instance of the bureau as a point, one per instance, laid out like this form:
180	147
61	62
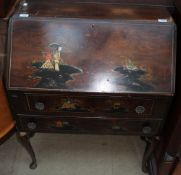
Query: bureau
90	68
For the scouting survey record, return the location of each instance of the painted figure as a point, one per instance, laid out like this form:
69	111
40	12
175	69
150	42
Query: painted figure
52	72
54	59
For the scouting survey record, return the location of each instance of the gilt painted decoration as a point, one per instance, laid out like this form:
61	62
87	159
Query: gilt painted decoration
74	55
69	106
52	72
130	76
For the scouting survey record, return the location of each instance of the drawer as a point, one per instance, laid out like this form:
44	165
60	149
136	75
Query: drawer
89	125
89	104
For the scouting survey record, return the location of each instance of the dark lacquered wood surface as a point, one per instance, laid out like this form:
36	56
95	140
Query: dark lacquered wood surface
98	68
3	8
169	148
7	7
93	11
88	125
97	55
86	105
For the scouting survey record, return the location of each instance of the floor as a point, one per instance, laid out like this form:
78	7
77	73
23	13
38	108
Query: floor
74	155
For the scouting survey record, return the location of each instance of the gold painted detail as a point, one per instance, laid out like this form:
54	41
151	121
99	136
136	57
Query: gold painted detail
59	124
53	59
116	106
51	71
47	65
131	66
68	105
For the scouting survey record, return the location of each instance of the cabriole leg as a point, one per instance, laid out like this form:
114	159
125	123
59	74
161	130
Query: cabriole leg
151	143
24	139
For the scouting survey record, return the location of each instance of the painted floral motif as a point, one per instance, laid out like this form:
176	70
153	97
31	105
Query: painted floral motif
116	108
130	77
69	105
52	72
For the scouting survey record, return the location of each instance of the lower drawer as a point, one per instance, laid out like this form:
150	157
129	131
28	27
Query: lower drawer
89	125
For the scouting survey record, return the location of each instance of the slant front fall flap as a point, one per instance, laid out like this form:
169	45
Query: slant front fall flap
92	55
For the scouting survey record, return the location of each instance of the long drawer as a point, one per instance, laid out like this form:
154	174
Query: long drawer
134	107
89	125
54	103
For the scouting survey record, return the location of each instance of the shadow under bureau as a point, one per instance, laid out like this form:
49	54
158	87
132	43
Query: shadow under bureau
90	68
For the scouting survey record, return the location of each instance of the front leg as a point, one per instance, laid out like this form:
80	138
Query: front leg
24	139
151	144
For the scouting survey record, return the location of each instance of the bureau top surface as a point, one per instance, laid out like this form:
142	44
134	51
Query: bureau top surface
55	8
84	50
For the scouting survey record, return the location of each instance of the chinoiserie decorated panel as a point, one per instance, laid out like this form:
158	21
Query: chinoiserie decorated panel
91	55
87	125
45	104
